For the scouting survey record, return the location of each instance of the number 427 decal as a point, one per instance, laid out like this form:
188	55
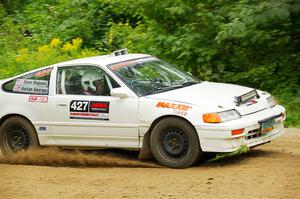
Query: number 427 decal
91	110
79	106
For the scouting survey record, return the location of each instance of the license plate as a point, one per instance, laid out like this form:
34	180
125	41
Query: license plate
267	126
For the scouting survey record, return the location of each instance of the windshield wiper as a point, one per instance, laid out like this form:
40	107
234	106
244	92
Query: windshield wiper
161	89
189	83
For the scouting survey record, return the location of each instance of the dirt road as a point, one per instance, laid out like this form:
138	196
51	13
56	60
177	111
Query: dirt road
269	171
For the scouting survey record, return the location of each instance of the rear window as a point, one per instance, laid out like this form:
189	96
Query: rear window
33	83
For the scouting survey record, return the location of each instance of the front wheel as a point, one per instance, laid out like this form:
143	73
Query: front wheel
174	143
17	134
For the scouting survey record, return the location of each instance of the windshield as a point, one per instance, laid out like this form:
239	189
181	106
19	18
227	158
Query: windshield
149	75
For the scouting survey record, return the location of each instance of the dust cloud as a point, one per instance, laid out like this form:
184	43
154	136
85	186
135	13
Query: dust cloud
74	158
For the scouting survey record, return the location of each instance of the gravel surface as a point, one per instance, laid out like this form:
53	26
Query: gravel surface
268	171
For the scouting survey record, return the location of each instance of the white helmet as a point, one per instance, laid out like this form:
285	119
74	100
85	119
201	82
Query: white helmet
88	78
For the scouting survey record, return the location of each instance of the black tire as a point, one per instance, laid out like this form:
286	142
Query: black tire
17	134
174	143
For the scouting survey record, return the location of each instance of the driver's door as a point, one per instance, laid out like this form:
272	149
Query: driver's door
91	120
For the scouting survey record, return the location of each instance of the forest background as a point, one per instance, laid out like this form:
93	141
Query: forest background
248	42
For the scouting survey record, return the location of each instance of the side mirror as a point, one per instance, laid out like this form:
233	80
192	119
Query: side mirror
119	92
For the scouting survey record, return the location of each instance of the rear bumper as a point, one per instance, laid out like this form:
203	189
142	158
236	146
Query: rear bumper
218	138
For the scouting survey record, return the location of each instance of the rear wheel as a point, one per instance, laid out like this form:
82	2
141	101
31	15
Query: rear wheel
174	143
17	134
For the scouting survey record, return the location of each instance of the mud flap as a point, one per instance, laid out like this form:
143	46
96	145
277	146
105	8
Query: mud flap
145	152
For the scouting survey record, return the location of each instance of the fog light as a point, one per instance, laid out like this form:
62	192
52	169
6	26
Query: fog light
237	131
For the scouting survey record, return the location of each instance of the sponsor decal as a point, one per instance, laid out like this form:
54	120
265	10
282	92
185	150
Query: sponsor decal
99	107
38	99
121	65
89	110
31	86
43	73
118	66
179	109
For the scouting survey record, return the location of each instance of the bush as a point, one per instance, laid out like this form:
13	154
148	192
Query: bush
56	51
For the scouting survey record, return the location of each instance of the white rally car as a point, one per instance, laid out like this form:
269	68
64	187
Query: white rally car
133	101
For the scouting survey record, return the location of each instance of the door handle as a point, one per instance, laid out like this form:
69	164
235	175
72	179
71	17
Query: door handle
61	105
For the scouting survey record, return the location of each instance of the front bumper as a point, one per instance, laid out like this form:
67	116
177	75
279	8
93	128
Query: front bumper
218	138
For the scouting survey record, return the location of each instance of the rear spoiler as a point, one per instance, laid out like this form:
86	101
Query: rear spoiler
238	100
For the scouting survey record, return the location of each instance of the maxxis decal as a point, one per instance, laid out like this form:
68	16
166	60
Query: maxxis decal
179	109
89	110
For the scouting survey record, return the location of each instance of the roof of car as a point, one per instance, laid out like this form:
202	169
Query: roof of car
103	60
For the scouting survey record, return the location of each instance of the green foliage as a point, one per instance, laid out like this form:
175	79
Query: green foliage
222	156
56	51
249	42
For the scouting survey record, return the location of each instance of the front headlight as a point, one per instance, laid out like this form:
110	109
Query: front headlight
271	101
221	116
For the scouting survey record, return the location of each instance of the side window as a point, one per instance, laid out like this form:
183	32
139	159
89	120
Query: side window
83	80
33	83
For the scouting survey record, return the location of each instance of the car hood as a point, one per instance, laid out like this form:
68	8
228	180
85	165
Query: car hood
212	96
